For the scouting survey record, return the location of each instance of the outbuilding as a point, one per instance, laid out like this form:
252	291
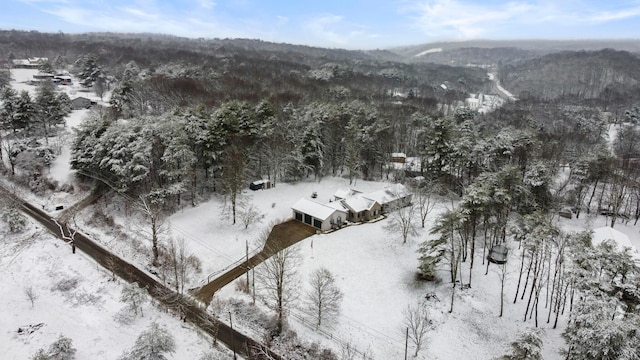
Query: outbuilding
320	216
80	103
260	185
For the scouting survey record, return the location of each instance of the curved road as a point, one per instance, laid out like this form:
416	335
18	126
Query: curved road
193	313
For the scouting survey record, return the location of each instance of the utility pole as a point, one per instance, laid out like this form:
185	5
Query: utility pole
246	242
233	338
406	344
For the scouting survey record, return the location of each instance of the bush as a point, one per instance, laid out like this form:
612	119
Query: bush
15	220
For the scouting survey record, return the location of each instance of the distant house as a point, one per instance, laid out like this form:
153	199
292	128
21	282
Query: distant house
29	63
80	103
43	77
392	197
398	157
62	80
320	216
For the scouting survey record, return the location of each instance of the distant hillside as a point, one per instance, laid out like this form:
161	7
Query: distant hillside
581	74
489	52
474	56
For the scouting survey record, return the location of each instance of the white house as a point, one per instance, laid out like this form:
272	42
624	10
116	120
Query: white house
391	197
321	216
345	193
361	208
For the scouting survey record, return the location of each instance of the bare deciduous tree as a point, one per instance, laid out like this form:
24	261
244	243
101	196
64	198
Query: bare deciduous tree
324	297
424	200
402	221
279	279
31	294
182	263
416	319
156	216
249	214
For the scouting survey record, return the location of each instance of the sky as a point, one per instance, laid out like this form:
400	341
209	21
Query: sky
349	24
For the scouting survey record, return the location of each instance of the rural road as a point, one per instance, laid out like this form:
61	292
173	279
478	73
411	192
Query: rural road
192	311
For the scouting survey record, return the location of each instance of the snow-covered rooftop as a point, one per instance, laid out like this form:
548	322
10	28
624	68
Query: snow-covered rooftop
345	193
317	210
388	194
359	203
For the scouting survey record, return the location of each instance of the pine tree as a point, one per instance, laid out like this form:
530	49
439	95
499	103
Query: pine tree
134	296
90	71
152	344
61	349
528	346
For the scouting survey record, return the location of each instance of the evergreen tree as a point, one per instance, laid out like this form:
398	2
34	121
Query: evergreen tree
134	296
51	107
9	100
152	344
528	346
90	71
61	349
598	330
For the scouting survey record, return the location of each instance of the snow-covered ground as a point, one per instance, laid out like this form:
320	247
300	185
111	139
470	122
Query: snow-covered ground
22	79
76	298
375	271
88	311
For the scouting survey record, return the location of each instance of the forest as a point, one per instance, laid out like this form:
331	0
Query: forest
188	119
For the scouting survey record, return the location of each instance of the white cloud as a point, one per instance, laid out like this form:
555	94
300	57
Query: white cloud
44	1
606	16
139	13
324	27
467	19
206	4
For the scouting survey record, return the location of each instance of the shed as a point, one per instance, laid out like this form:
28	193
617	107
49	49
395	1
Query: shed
498	254
260	184
320	216
398	157
80	103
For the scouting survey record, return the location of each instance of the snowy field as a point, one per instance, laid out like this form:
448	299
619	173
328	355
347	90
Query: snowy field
21	80
376	272
75	298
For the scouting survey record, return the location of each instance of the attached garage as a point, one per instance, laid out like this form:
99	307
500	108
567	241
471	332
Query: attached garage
318	215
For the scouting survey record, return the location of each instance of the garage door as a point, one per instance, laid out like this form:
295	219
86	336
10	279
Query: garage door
307	219
298	216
